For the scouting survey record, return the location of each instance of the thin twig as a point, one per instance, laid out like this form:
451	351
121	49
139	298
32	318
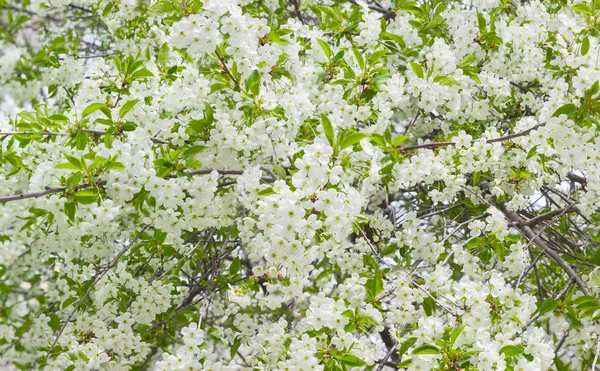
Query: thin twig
387	356
226	68
447	144
89	290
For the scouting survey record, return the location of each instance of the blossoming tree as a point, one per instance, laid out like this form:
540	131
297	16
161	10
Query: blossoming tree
298	185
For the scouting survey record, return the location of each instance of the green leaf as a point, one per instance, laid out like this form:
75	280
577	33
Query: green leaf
253	83
568	109
376	56
27	116
68	166
161	7
58	118
370	262
352	139
400	139
548	305
393	37
74	161
532	152
455	333
235	266
163	55
374	286
280	171
405	345
573	318
466	61
54	322
81	140
107	9
267	192
481	22
168	250
115	166
325	48
68	302
426	349
585	46
428	306
327	129
160	236
234	347
143	72
92	108
359	58
417	69
193	150
593	89
73	181
351	360
595	259
560	365
511	350
70	209
584	299
583	8
128	106
85	197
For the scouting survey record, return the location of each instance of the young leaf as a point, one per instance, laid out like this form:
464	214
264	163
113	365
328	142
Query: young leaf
234	268
128	106
511	350
70	209
161	7
352	139
234	347
92	108
359	58
143	72
327	129
163	55
548	305
399	140
567	109
325	48
426	349
585	46
417	69
77	163
193	150
85	197
253	83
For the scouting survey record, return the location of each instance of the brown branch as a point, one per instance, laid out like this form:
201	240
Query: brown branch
383	361
47	133
446	144
226	68
391	344
535	238
556	297
549	215
577	178
296	4
48	191
44	133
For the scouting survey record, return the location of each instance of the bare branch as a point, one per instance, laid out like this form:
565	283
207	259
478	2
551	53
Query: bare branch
100	183
446	144
89	290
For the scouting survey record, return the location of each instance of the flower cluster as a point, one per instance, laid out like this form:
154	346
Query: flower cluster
299	185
